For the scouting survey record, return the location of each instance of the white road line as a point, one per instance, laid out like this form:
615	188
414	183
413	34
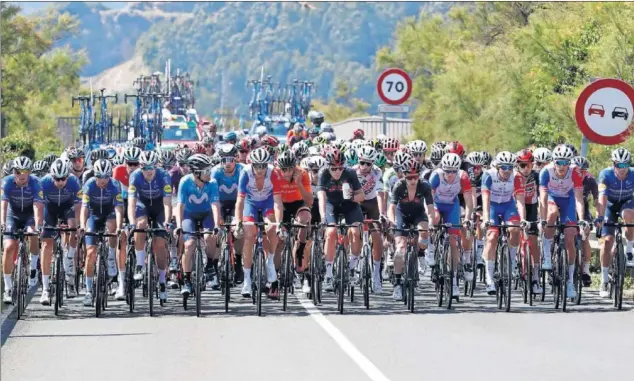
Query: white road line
346	345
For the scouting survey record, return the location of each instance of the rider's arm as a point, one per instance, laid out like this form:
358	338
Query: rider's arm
429	202
577	181
215	210
544	178
215	201
278	208
487	181
602	199
3	211
466	192
118	207
305	189
167	205
321	196
167	196
131	208
239	208
38	203
519	193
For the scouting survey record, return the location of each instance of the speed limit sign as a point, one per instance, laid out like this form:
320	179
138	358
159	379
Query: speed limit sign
394	86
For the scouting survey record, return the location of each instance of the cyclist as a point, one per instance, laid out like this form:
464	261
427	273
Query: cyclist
121	173
198	203
149	198
62	194
40	168
408	199
94	156
447	182
502	194
244	147
297	199
543	157
477	161
7	168
371	180
101	205
357	134
312	165
167	160
21	208
227	176
524	167
561	192
316	118
259	188
616	196
208	143
231	138
339	193
77	158
590	187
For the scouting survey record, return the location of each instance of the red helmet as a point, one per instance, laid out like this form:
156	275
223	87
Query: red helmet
525	156
335	158
358	133
455	147
268	140
199	148
244	145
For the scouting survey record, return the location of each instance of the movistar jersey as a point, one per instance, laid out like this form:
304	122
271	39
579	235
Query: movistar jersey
21	199
197	199
54	196
101	201
227	184
150	192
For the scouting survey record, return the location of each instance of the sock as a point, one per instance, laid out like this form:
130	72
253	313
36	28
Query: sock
214	264
546	245
111	252
8	282
329	269
605	278
162	276
354	259
89	284
479	247
121	277
586	268
455	278
490	270
466	256
187	277
269	259
571	273
630	245
377	268
536	273
45	280
513	252
247	274
140	257
71	252
34	259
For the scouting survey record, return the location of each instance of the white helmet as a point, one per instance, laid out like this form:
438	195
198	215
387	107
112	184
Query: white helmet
60	169
543	155
417	146
476	158
148	158
22	163
305	163
400	159
563	152
102	168
367	153
505	158
318	162
450	161
621	155
260	156
132	154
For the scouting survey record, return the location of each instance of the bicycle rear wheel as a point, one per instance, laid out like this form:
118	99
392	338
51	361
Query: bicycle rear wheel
507	277
341	271
199	279
619	278
259	280
226	285
411	279
286	274
150	280
21	280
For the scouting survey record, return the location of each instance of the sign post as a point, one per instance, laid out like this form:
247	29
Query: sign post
604	112
394	87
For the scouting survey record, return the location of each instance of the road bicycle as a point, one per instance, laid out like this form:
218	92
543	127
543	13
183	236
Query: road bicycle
410	268
503	275
21	271
150	280
317	264
57	287
341	273
100	286
617	269
287	272
365	261
444	271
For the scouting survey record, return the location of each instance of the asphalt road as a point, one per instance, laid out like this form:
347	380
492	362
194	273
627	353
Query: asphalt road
474	341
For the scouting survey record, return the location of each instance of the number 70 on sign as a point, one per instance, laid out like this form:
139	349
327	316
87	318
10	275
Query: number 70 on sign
394	86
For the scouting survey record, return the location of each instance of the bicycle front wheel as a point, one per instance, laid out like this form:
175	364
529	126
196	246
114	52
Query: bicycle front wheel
226	285
150	280
619	278
341	278
259	281
21	281
59	283
507	277
286	281
411	279
199	280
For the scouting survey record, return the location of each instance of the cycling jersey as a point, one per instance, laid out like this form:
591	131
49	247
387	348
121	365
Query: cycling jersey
445	192
146	191
176	174
289	189
120	173
410	209
195	199
476	181
389	179
101	201
258	199
227	184
560	187
502	191
57	197
531	188
371	182
334	188
590	187
21	198
615	189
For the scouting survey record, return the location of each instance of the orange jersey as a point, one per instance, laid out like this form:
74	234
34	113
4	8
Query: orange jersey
290	190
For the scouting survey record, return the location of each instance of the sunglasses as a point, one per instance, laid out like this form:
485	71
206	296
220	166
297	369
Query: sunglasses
132	164
365	164
260	166
148	168
523	165
102	176
287	169
622	165
21	171
335	169
417	154
562	163
207	145
451	171
477	167
411	178
60	179
243	152
226	160
506	167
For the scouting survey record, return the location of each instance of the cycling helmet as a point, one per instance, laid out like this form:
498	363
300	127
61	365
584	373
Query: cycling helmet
60	169
300	149
581	162
400	159
227	150
314	131
208	140
335	158
132	154
358	134
167	159
381	160
316	117
417	147
22	163
450	161
40	167
97	154
476	158
314	150
305	163
317	162
411	167
367	153
148	158
102	168
215	159
286	160
230	136
182	155
572	148
118	159
270	141
325	127
328	136
260	156
199	148
505	158
350	157
436	156
139	143
50	158
283	148
563	152
391	145
199	162
456	147
543	155
244	145
621	155
75	153
525	156
7	167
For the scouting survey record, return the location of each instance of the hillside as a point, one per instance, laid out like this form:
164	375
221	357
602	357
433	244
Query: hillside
228	42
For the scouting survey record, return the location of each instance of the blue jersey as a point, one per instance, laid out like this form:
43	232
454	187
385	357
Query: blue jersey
227	184
148	191
101	201
615	189
21	199
54	196
195	199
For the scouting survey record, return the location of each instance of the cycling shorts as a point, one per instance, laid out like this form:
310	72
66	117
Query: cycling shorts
314	211
450	214
292	208
192	220
96	223
18	221
508	211
406	220
53	214
125	211
350	210
566	205
612	212
532	216
156	213
370	209
250	212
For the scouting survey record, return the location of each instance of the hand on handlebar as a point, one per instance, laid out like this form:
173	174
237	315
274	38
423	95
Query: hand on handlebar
467	224
525	225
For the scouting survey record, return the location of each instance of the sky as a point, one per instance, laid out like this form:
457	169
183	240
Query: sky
29	7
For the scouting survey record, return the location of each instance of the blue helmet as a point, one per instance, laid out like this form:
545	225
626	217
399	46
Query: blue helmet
230	136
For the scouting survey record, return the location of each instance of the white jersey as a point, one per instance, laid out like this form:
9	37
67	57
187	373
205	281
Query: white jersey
501	191
370	183
247	185
445	192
